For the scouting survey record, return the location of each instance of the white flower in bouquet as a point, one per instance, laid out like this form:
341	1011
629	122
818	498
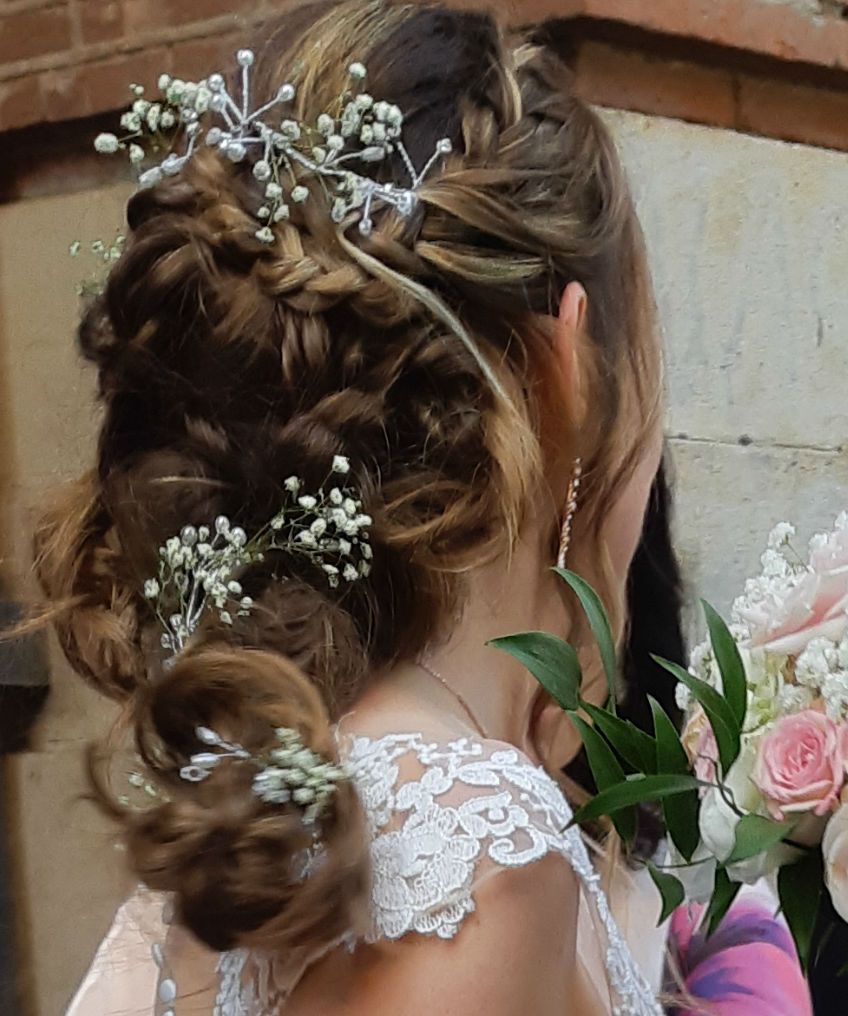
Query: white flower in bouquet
718	820
835	851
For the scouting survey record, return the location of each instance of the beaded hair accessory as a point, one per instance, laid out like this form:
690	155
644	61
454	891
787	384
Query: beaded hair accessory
198	570
291	772
356	129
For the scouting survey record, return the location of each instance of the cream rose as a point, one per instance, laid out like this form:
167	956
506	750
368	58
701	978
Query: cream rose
799	765
835	851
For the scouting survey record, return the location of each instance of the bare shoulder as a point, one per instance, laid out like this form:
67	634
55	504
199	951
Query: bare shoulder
512	954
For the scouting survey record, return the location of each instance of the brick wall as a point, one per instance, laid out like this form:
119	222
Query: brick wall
65	59
778	68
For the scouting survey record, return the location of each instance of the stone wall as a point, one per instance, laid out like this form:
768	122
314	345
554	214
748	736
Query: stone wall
749	242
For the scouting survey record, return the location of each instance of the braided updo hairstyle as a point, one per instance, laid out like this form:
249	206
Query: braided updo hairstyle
227	364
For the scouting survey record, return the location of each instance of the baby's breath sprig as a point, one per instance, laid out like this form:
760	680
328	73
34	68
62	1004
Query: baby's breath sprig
200	566
288	773
104	254
356	129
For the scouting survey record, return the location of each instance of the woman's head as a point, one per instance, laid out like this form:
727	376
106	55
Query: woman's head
228	365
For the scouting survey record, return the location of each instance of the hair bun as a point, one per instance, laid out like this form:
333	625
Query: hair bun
267	878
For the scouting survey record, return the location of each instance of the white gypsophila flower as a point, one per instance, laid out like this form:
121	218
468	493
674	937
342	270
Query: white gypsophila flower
794	699
151	589
835	695
106	144
341	465
299	194
325	124
816	663
265	235
136	153
357	70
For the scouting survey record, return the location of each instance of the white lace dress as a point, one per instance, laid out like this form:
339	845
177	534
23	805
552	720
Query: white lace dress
443	818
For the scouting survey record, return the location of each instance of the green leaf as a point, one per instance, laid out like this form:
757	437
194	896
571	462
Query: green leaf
551	661
599	623
729	660
756	834
680	811
722	720
635	746
799	887
634	790
671	890
607	772
725	892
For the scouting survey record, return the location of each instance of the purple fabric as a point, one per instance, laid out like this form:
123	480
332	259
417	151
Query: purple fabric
747	968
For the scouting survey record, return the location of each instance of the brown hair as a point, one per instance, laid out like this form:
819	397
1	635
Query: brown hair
227	365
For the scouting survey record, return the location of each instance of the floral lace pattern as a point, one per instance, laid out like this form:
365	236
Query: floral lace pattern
439	816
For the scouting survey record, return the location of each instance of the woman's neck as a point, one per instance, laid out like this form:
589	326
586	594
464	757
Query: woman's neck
503	598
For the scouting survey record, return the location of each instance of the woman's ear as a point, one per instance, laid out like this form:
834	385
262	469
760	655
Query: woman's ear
569	337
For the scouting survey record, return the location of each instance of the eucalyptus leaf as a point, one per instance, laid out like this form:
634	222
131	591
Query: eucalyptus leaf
551	661
756	834
634	790
730	665
635	746
607	773
725	892
800	888
718	711
671	890
599	623
681	811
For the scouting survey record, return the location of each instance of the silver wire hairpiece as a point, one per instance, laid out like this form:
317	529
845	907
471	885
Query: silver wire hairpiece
288	773
355	129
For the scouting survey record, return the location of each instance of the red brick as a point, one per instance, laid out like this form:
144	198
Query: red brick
625	79
98	87
27	34
149	15
758	26
778	109
197	58
101	20
21	102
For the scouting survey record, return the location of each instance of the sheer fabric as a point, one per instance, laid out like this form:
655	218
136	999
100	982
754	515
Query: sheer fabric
444	816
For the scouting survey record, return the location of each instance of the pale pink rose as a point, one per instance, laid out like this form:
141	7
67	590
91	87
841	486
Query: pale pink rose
843	746
835	851
799	766
816	608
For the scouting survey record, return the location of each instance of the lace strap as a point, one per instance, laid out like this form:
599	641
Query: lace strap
442	817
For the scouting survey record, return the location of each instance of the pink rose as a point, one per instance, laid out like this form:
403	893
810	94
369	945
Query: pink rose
799	765
816	608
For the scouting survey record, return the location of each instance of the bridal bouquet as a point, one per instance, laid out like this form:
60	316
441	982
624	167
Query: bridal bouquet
757	785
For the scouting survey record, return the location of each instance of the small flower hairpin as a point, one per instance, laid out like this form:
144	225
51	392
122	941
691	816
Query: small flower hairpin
199	568
289	773
357	129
